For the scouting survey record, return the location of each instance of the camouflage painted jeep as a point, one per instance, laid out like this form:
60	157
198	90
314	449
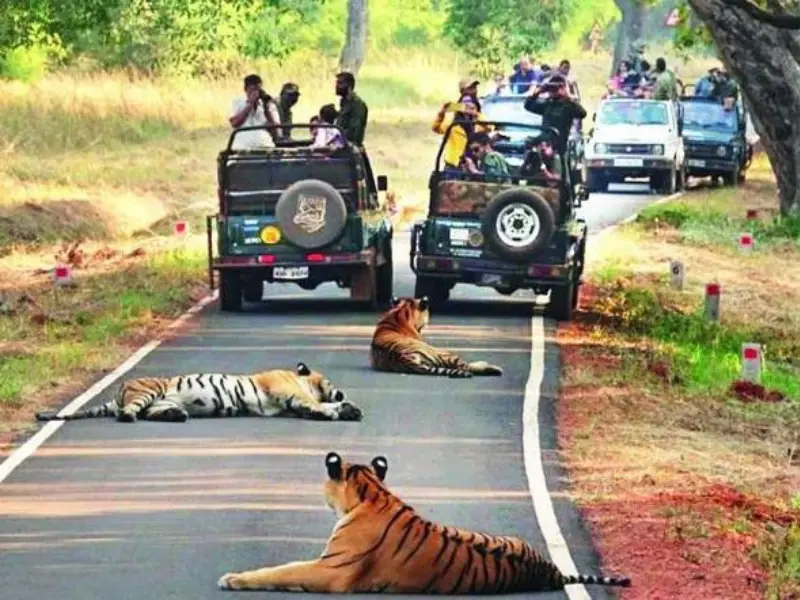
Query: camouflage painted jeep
512	233
299	215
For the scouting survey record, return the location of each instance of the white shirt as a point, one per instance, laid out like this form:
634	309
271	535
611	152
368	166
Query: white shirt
325	138
247	140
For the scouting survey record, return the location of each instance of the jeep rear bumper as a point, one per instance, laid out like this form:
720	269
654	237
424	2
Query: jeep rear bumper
710	166
493	273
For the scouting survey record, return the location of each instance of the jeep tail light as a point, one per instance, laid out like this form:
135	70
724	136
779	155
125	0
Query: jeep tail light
266	259
315	257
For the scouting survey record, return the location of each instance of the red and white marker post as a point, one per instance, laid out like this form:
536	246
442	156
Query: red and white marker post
751	214
181	229
62	275
746	242
712	304
678	272
752	360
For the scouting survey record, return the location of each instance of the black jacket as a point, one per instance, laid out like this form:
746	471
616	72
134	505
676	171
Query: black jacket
558	113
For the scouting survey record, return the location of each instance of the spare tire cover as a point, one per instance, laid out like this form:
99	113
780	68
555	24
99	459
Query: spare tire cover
311	213
518	222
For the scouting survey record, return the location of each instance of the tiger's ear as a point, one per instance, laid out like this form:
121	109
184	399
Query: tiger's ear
424	303
395	301
333	462
381	465
302	369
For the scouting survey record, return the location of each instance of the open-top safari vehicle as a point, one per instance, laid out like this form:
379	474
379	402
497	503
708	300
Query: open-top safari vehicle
292	213
512	233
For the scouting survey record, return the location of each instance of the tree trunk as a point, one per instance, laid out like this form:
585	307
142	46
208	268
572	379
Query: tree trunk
766	62
355	45
630	29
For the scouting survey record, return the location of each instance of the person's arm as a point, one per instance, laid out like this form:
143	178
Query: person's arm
240	111
533	103
438	122
273	118
578	111
357	123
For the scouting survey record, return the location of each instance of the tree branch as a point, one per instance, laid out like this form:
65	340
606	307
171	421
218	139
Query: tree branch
759	14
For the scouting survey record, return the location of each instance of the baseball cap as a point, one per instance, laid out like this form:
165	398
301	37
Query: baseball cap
467	82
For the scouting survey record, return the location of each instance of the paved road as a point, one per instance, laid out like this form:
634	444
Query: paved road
155	511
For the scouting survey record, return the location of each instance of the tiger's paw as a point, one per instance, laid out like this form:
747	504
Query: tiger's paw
349	412
230	581
126	417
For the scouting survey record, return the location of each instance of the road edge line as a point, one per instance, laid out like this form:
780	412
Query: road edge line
632	218
534	467
32	444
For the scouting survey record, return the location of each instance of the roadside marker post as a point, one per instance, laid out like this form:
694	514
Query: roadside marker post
678	272
752	214
62	275
752	359
181	229
746	242
712	304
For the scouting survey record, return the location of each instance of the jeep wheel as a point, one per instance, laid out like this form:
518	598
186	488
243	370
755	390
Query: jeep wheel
563	300
518	222
437	291
665	183
230	292
730	179
384	278
596	182
682	179
253	291
311	213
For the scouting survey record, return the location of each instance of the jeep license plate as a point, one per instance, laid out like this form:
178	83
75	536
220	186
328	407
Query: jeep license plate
628	162
491	279
696	163
290	272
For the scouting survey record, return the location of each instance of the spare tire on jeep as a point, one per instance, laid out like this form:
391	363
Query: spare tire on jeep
311	213
518	222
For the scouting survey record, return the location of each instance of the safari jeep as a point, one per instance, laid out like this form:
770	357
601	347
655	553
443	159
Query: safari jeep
300	215
512	234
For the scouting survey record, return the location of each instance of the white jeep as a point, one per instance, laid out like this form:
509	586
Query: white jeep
635	138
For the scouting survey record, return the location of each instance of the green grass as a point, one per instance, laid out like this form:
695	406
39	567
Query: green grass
712	224
87	324
779	554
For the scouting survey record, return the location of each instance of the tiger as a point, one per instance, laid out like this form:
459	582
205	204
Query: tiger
301	393
381	544
397	345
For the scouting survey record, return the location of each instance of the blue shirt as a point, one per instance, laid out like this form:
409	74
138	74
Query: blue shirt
521	82
704	87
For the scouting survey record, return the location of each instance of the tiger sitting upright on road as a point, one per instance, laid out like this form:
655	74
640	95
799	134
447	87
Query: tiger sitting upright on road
397	345
301	393
380	544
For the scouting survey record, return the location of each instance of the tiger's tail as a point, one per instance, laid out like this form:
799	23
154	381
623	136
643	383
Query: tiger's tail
481	367
596	580
109	409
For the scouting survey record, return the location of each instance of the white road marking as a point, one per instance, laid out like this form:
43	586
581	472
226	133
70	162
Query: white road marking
534	468
30	446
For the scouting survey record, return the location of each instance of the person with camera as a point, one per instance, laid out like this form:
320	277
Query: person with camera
256	108
558	108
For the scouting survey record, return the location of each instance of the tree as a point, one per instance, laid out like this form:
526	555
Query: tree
761	50
355	45
630	29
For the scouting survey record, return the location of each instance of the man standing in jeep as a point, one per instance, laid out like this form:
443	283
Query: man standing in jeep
558	110
352	110
256	108
290	94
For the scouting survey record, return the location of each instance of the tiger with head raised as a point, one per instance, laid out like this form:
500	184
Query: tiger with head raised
397	345
301	393
380	544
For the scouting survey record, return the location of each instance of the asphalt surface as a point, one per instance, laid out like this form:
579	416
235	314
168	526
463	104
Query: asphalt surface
154	511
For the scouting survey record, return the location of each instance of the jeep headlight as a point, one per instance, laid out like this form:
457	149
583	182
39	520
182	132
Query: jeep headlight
657	149
722	151
600	148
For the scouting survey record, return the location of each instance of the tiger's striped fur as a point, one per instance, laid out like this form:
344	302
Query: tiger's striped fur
380	544
397	345
300	393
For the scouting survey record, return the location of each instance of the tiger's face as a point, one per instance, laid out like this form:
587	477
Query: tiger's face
346	484
321	386
413	310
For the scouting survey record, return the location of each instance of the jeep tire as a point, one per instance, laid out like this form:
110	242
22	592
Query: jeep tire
437	290
517	223
596	181
253	290
230	291
384	278
320	227
563	300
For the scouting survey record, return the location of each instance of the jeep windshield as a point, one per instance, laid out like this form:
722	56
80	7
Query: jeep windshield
510	109
633	112
709	115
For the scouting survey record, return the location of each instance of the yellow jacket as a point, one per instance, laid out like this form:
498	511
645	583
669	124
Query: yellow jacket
457	140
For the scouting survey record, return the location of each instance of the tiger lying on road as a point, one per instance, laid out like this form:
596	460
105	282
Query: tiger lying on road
302	393
397	345
380	544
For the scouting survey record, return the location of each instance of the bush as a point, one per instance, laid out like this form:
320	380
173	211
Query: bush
27	64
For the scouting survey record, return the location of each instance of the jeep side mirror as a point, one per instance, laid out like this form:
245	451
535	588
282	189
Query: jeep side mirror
383	183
